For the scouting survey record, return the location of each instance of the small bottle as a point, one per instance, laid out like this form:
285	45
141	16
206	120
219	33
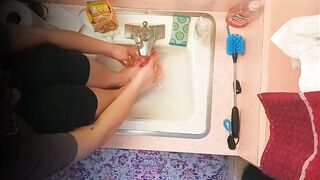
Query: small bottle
241	14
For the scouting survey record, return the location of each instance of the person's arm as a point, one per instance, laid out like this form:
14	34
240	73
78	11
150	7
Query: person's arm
24	37
95	135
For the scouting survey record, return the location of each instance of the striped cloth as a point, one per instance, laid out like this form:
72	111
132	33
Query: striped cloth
292	151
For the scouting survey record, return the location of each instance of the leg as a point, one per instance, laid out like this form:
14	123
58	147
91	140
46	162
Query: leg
105	98
102	77
61	108
46	65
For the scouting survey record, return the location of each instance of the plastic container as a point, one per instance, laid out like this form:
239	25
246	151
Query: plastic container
202	30
243	13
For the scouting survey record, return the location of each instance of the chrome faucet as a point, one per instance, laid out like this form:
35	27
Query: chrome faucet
144	36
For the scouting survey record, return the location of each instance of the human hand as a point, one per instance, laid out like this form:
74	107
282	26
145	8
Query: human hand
127	56
149	74
143	60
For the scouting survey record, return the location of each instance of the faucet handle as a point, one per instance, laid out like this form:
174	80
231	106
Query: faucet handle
144	23
145	32
159	31
144	36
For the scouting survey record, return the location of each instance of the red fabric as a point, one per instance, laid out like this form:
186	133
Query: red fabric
291	140
313	171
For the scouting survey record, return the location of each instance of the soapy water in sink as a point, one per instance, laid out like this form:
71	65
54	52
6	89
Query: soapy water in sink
172	98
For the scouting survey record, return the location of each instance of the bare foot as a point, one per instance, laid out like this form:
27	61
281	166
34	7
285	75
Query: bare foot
128	72
148	75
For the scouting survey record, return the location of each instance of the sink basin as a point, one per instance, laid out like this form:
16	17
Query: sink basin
180	105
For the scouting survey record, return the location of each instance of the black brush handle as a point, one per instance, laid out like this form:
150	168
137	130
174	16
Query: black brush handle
235	122
231	143
234	57
238	87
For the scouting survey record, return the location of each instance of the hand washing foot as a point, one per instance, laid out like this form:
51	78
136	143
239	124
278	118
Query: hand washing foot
129	72
148	75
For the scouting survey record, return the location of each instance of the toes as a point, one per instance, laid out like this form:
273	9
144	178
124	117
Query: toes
143	61
152	62
154	53
157	66
158	73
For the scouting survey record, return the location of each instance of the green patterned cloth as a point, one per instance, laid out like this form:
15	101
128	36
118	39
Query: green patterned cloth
179	32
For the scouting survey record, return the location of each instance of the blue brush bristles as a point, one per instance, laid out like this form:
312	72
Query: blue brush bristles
235	44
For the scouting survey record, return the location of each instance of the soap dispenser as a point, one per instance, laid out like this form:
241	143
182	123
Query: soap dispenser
243	13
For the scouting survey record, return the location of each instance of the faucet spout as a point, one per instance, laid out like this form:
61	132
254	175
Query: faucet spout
144	36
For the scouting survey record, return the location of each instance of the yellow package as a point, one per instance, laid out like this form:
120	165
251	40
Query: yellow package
101	15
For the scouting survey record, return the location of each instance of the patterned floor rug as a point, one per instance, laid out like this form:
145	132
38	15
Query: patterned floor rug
117	164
